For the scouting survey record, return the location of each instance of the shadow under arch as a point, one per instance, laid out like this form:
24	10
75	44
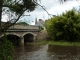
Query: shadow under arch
12	38
28	37
10	34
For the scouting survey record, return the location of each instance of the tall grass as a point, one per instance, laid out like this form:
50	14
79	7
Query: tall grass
42	42
62	43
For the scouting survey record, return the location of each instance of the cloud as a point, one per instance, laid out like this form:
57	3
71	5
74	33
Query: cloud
53	7
5	18
46	4
63	7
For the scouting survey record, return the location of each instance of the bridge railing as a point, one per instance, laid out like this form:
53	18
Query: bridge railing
23	30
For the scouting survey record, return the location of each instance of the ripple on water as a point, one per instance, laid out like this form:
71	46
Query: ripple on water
46	52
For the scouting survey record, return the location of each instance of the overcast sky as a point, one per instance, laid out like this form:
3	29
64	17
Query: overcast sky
52	6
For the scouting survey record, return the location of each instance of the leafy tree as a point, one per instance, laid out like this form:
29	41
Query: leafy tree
22	23
64	27
14	9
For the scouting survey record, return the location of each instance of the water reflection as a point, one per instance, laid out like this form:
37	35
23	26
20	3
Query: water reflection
46	52
63	52
30	52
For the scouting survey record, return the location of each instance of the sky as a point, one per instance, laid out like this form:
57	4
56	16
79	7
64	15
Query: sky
53	7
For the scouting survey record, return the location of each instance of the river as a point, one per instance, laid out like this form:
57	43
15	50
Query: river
46	52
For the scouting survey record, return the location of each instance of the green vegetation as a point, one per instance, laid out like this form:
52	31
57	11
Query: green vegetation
65	26
6	49
41	28
41	42
62	43
22	23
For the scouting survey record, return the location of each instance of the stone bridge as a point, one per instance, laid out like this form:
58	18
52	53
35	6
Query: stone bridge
20	34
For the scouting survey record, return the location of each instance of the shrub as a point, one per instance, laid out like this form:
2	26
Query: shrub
64	27
6	49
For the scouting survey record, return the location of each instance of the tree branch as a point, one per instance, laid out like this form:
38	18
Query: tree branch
43	8
8	24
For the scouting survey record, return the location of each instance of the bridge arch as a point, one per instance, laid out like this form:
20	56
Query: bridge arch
13	37
28	33
10	34
28	37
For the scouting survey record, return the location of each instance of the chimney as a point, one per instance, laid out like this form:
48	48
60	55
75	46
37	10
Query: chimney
40	19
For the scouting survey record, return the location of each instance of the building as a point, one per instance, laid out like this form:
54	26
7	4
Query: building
40	22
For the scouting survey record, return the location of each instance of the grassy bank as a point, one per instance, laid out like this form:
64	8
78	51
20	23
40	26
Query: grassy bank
61	43
41	42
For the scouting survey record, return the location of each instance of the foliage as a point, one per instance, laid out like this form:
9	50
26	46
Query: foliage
14	10
63	43
21	5
41	28
64	27
22	23
6	49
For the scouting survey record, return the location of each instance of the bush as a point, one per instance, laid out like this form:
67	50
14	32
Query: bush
6	49
64	27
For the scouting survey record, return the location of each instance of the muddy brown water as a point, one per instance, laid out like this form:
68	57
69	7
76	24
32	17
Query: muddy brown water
46	52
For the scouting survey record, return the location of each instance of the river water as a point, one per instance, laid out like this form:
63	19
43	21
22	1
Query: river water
46	52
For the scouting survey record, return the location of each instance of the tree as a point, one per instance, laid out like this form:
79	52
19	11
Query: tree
22	23
14	9
65	26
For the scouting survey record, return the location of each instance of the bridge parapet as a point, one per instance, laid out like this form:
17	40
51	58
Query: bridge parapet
24	27
23	30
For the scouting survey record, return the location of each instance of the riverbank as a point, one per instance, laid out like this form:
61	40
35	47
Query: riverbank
62	43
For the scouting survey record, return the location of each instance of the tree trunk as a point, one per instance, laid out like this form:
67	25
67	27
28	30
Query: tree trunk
1	3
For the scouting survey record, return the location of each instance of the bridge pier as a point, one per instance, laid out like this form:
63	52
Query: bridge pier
34	38
21	40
